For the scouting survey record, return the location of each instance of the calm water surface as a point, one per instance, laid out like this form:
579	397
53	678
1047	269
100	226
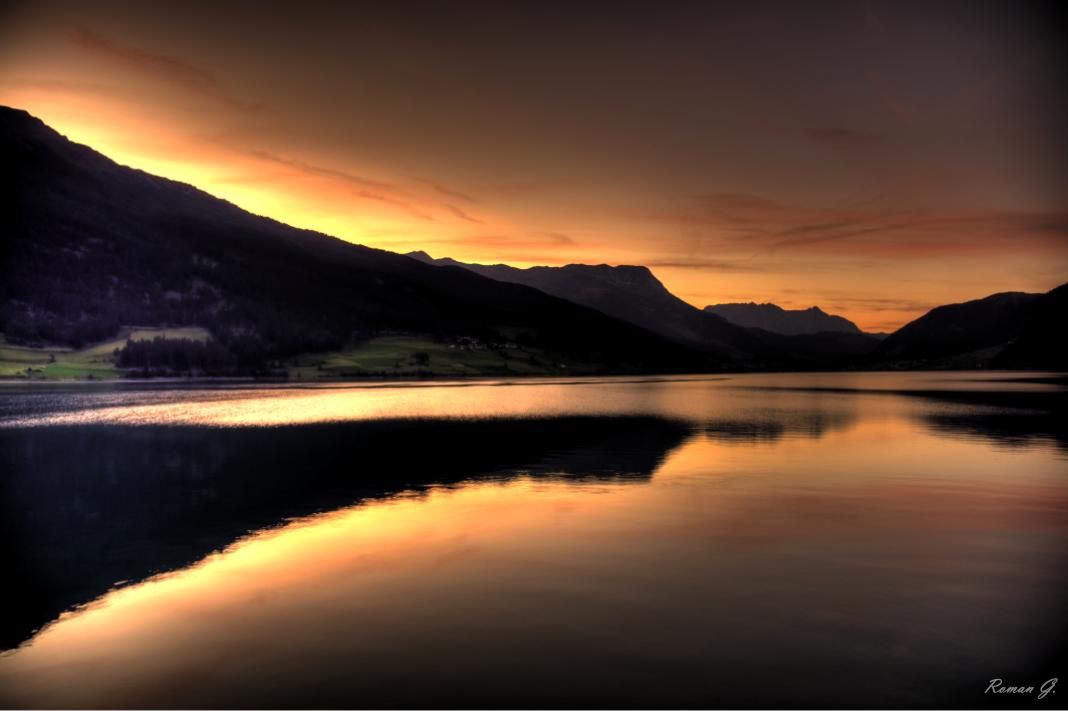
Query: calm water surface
830	540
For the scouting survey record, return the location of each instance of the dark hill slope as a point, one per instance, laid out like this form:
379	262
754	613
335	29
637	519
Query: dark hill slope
89	245
1043	340
957	329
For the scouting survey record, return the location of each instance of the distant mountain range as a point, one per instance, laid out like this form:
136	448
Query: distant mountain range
776	319
90	246
633	294
974	334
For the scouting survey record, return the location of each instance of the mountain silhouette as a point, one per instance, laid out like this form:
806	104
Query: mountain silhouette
1042	342
787	322
91	246
634	294
970	333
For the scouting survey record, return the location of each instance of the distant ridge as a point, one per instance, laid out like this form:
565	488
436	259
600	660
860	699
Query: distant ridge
776	319
633	294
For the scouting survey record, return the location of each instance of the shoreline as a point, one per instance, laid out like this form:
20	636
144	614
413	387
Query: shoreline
1051	377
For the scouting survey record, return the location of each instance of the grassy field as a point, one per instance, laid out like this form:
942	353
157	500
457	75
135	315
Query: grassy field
94	362
386	356
398	355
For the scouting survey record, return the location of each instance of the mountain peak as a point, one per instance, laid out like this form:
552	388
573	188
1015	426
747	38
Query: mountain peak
623	273
11	114
774	318
20	123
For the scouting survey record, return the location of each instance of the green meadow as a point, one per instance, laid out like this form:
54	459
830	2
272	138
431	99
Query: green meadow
387	356
96	362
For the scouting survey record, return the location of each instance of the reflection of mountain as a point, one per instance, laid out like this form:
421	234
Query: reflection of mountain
1004	416
83	508
1010	429
1001	415
771	427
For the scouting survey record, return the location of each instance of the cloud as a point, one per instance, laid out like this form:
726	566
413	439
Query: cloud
506	241
395	202
737	201
502	246
838	137
879	304
172	70
319	170
559	239
447	191
379	190
754	225
834	232
461	214
709	265
366	188
845	300
63	87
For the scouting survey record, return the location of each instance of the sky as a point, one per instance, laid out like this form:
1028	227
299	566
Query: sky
874	158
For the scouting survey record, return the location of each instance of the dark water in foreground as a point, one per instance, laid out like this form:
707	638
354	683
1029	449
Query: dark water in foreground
828	540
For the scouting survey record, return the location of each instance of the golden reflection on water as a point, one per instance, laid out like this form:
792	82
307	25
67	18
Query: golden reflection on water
485	584
671	396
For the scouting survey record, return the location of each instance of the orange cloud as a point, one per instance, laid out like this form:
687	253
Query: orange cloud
841	138
172	70
447	191
753	223
462	215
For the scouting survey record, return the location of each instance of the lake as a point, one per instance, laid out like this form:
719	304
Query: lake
850	539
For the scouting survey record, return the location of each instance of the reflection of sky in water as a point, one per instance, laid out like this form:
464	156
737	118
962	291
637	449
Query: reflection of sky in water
692	397
828	544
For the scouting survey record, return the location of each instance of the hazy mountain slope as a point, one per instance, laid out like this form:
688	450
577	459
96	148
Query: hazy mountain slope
958	329
1043	340
636	295
633	294
90	245
776	319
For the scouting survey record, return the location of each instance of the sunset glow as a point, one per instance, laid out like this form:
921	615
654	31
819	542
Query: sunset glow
877	194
